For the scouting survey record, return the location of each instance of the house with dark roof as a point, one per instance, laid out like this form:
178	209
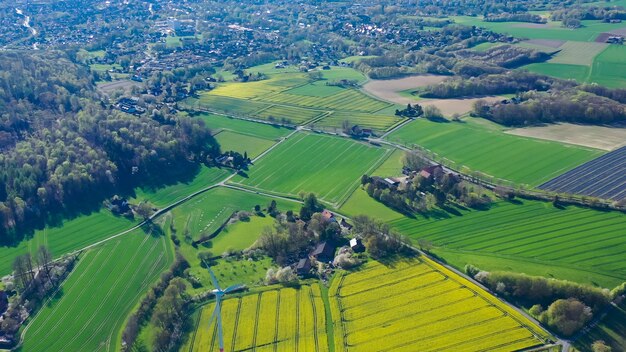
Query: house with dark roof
328	215
304	266
357	245
324	252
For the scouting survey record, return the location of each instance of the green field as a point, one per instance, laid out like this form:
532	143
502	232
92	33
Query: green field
315	89
490	151
294	114
331	167
240	235
609	68
227	105
553	30
578	53
266	131
579	73
243	143
204	214
168	194
345	100
249	90
573	243
94	302
69	236
611	330
378	122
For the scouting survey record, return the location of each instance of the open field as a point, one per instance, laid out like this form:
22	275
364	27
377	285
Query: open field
331	167
249	90
387	89
578	53
590	243
446	312
609	67
203	215
168	194
94	302
599	137
604	177
579	73
551	30
315	89
491	151
284	319
66	237
345	100
240	235
293	114
266	131
243	143
377	122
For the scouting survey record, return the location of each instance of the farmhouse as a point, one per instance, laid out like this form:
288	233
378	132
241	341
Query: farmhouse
324	252
345	224
430	172
304	266
328	215
357	245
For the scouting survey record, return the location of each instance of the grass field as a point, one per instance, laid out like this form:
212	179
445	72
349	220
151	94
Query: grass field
285	319
490	151
331	167
243	143
219	122
578	53
168	194
294	114
69	236
552	30
93	303
240	235
579	73
609	67
573	243
370	312
345	100
249	90
377	122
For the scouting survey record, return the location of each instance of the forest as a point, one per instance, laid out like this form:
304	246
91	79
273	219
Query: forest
63	150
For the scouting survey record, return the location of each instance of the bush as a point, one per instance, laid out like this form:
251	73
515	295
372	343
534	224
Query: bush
536	310
600	346
346	261
283	276
471	270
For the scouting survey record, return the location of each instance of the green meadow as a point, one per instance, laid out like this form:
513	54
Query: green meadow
89	310
243	143
331	167
485	148
266	131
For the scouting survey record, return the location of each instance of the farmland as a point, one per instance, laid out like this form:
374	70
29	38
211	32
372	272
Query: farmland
377	122
66	237
243	143
347	100
588	243
218	122
489	150
446	313
329	166
578	53
604	177
284	319
88	312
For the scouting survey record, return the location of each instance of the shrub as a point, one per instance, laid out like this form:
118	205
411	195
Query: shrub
283	275
346	261
567	316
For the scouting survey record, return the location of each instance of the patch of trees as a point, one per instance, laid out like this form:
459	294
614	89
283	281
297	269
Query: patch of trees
412	111
381	242
554	106
64	152
563	305
587	13
35	278
515	17
506	56
148	304
492	84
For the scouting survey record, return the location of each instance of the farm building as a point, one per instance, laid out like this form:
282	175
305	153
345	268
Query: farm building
304	266
345	224
324	252
357	245
328	215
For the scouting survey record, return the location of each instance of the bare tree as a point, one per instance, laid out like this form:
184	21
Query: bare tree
44	258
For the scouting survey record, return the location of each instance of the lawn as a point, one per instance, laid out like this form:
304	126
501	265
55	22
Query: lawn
255	129
94	302
66	237
194	182
243	143
419	305
572	243
328	166
490	151
284	319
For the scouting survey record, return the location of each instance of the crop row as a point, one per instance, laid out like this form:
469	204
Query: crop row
352	288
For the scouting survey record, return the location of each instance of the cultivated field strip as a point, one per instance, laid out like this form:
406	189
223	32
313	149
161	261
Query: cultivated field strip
346	100
98	296
431	309
604	177
377	122
573	237
285	319
329	166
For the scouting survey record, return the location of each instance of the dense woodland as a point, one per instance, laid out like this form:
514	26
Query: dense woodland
64	151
